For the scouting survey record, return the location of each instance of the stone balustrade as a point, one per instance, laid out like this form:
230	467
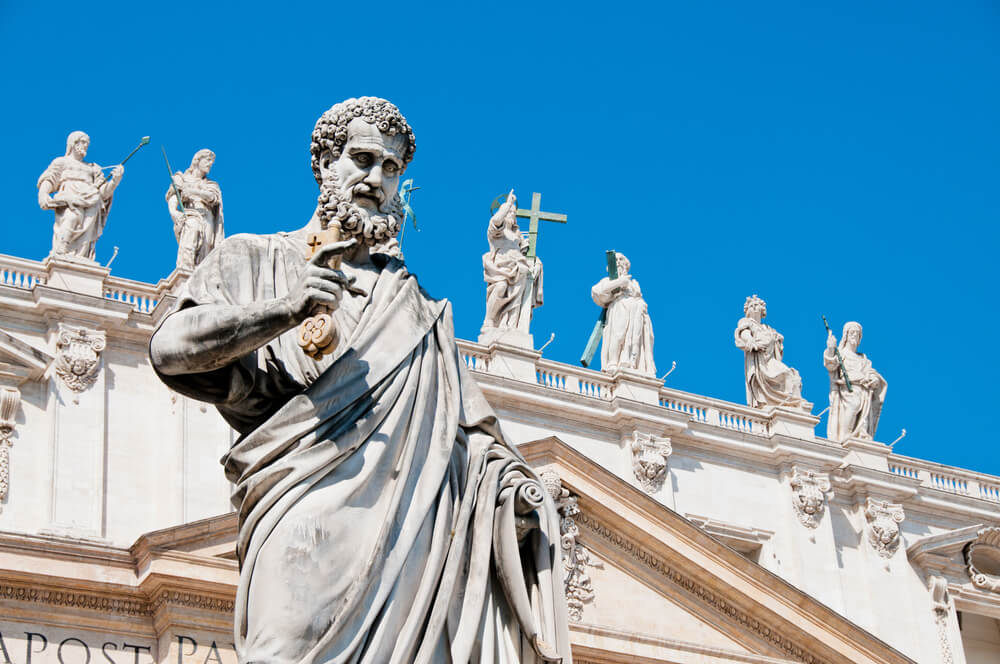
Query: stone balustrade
20	272
142	296
946	478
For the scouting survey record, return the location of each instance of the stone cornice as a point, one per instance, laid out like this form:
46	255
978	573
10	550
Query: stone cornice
634	527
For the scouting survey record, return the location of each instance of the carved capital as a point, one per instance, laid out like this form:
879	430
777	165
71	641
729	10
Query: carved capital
809	491
78	356
576	558
649	460
883	525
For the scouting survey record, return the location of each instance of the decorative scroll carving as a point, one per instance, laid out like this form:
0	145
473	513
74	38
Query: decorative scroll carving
649	460
77	356
939	596
9	400
982	558
809	495
883	526
576	557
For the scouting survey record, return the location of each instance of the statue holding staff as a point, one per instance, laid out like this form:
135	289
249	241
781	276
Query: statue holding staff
513	280
769	381
80	196
627	342
197	213
857	391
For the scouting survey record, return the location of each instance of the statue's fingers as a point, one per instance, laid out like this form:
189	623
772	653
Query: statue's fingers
328	251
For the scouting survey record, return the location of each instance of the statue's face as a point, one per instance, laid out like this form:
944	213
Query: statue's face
369	165
80	148
205	164
853	337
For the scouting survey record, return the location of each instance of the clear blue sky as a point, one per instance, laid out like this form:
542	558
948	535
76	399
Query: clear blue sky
840	159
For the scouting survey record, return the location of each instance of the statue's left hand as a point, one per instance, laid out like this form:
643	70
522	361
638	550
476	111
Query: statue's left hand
117	172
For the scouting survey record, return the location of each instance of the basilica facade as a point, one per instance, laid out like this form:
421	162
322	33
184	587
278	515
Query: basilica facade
692	529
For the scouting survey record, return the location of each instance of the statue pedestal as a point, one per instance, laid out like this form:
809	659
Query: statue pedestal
636	386
514	362
495	335
793	422
76	276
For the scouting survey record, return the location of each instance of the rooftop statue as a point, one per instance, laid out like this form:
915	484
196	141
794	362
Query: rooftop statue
80	196
855	399
627	342
382	515
513	281
769	381
198	218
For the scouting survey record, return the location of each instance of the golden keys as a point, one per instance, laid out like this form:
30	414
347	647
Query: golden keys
318	334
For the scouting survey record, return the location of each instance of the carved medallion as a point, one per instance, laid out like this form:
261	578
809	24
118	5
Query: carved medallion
883	526
576	557
808	496
982	558
649	460
78	356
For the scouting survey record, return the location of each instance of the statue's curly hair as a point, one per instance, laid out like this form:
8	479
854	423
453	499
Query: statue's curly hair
754	302
330	132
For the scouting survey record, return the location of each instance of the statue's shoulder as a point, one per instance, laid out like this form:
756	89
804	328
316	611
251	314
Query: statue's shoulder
246	244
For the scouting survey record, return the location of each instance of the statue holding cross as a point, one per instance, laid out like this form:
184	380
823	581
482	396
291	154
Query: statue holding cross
513	272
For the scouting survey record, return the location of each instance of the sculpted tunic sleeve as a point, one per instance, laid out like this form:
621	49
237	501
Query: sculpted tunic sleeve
242	270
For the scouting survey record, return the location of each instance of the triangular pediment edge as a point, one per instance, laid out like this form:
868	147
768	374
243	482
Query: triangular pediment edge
21	361
671	555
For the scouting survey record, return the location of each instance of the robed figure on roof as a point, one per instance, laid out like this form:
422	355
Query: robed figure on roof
627	341
513	279
854	408
769	381
198	223
383	517
80	195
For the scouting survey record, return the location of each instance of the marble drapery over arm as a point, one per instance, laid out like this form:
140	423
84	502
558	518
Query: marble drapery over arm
382	515
628	332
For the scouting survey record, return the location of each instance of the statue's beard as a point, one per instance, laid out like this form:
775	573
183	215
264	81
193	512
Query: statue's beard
371	228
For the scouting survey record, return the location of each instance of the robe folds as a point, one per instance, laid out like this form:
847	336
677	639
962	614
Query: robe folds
383	518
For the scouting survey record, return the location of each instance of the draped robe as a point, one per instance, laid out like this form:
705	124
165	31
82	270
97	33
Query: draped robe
383	518
627	342
769	381
854	413
201	228
80	222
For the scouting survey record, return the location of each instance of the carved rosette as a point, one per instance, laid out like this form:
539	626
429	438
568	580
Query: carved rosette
809	491
9	400
649	460
78	356
982	558
883	525
576	558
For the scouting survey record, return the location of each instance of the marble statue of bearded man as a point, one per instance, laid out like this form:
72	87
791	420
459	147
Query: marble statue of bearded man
199	227
854	413
769	381
383	518
628	332
80	196
513	281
